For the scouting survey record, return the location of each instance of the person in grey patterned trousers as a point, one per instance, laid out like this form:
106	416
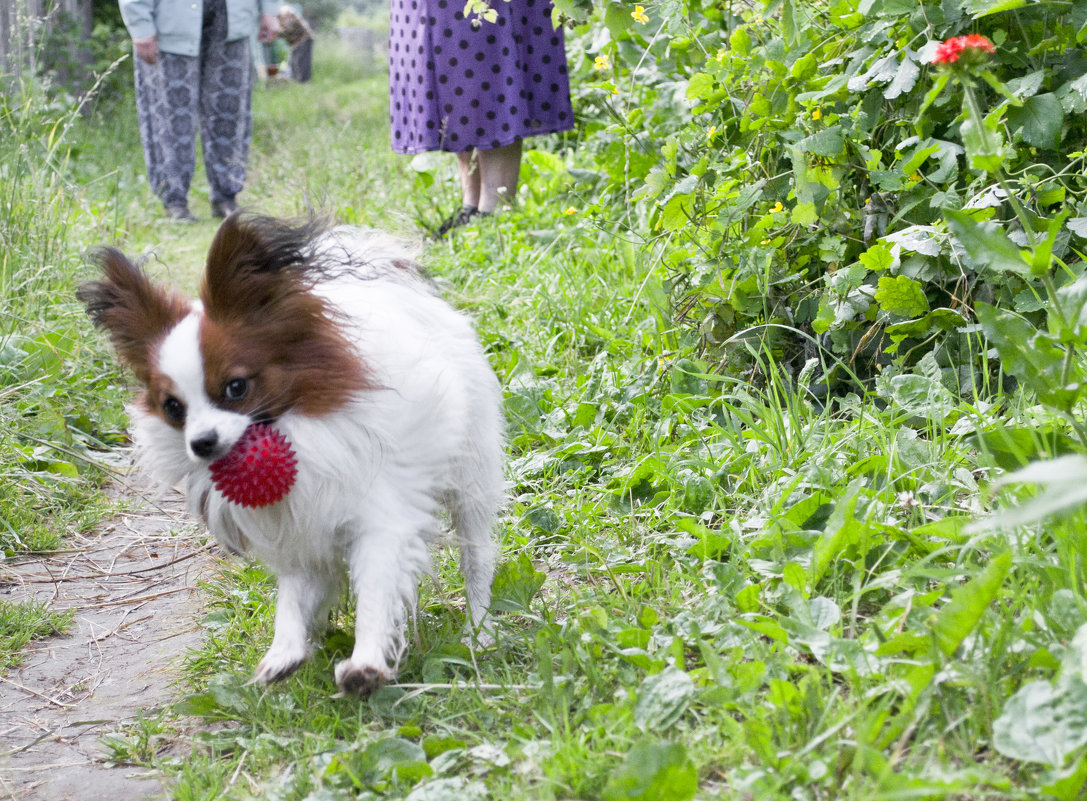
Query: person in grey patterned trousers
193	64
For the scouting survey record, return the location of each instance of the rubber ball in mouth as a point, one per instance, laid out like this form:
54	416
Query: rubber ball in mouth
259	470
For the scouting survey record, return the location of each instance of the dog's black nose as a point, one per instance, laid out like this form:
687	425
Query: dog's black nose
204	445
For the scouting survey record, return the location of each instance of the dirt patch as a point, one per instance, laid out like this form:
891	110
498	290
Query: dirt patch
133	586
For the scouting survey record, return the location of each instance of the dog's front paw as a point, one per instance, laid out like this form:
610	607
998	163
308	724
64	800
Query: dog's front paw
360	680
276	665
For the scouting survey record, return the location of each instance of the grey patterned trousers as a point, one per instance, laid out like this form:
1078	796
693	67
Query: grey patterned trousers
214	88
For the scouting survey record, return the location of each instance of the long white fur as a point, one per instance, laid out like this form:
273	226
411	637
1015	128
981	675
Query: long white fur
371	476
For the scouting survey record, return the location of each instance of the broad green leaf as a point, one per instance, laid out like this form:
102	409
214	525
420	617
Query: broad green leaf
740	41
1040	119
804	214
662	698
901	295
1032	356
617	19
877	258
653	772
1073	300
942	319
454	789
826	143
1063	482
983	8
1073	95
923	395
1046	723
1078	226
517	580
700	86
961	615
986	243
905	76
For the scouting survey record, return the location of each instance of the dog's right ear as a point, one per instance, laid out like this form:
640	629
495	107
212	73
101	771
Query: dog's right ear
134	312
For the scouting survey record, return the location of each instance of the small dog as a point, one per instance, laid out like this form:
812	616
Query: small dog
333	340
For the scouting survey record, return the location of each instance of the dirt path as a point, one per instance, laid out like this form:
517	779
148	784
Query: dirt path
133	588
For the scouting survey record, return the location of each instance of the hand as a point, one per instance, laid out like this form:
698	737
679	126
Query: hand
147	49
269	28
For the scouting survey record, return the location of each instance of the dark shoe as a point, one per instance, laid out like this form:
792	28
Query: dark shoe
223	208
463	215
180	213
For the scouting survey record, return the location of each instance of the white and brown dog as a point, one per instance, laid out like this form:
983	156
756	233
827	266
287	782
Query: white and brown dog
333	339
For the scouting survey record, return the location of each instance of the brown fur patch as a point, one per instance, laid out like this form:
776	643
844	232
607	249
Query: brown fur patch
263	324
136	314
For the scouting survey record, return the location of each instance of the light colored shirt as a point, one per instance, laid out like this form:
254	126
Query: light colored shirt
177	23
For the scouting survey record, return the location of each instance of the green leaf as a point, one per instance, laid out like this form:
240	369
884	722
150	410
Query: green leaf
987	244
921	394
1047	723
516	583
740	41
938	87
961	615
983	8
905	76
901	295
617	19
1032	356
841	525
662	699
877	258
455	789
700	86
653	772
1040	120
826	143
1064	486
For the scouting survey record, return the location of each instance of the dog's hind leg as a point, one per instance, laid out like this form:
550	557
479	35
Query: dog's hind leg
301	597
473	519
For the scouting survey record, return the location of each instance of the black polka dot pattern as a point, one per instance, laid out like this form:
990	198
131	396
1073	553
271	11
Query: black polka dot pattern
454	87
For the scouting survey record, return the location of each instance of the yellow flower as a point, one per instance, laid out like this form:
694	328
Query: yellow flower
777	207
570	210
721	55
914	178
817	114
712	130
602	62
639	15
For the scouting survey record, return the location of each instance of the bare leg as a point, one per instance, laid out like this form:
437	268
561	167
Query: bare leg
499	170
469	177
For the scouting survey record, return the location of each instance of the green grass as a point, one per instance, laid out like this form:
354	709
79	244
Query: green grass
713	584
21	623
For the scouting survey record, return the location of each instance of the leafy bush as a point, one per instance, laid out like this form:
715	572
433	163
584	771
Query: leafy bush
795	175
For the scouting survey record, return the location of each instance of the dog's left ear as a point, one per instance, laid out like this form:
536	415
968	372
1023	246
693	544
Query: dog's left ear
134	312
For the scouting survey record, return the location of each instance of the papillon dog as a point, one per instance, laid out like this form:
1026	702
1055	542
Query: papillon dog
334	339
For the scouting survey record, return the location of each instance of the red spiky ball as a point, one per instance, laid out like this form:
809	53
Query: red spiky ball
259	470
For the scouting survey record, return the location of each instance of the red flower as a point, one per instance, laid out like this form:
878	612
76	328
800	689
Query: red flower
950	51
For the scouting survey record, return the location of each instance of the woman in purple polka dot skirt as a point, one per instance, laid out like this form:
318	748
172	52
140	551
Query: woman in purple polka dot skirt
476	89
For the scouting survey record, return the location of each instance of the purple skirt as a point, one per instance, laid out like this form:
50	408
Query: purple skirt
455	87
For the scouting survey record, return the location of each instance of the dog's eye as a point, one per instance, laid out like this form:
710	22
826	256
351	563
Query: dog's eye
173	409
236	389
